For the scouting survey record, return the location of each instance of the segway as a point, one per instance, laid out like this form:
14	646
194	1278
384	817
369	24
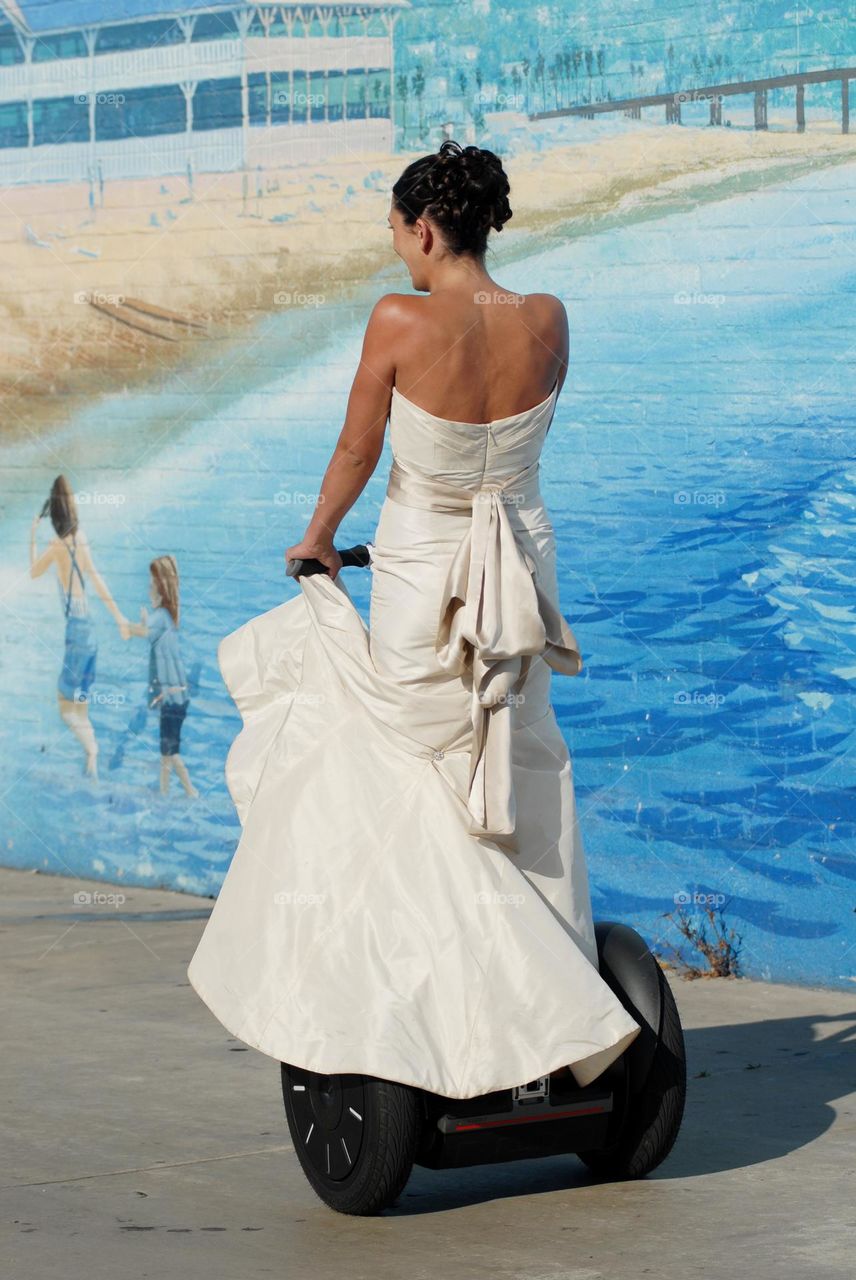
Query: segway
357	1137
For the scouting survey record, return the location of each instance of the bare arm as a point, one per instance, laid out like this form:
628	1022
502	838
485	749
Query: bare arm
564	344
562	341
360	442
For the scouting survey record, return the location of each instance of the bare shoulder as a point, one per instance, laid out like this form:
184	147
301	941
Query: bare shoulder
551	307
393	308
549	320
392	317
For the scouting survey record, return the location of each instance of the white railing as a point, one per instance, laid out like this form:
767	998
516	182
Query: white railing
315	53
22	167
218	151
132	69
206	60
46	78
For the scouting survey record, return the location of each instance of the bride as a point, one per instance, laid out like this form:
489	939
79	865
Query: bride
409	898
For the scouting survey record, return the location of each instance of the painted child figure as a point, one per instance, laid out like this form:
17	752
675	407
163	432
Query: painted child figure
167	678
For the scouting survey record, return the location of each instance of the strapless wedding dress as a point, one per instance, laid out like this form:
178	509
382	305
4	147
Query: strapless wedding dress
409	898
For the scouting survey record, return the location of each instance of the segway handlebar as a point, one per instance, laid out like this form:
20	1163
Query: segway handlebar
352	557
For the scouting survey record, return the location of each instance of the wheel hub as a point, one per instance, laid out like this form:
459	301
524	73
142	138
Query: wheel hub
330	1114
327	1102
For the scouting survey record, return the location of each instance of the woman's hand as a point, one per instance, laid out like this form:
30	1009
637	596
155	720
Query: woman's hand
310	549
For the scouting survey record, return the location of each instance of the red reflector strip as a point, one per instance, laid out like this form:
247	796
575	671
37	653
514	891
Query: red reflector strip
553	1115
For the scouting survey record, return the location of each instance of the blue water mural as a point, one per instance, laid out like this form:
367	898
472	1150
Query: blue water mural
700	474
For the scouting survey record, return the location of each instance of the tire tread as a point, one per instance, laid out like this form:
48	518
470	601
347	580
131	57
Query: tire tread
658	1108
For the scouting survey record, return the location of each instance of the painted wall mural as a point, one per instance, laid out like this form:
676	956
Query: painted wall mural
192	233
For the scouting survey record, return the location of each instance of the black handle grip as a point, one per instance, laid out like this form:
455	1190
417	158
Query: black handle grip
352	558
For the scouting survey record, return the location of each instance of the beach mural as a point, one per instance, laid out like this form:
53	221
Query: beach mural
192	234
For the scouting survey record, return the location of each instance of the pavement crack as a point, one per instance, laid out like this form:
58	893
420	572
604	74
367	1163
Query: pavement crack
147	1168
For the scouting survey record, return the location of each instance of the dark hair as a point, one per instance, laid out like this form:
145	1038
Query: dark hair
463	189
62	508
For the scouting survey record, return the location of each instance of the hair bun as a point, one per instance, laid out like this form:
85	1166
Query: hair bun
464	190
475	176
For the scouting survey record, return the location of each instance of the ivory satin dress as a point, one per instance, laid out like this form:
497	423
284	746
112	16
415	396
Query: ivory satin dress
409	898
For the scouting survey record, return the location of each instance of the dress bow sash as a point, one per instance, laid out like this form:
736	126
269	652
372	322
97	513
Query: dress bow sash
495	619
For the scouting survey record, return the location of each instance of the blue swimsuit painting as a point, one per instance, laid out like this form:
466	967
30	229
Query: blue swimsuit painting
81	646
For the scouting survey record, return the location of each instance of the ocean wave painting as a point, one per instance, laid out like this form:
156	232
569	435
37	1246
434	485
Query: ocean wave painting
700	471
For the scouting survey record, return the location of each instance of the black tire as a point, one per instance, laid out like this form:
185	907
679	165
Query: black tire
655	1107
355	1136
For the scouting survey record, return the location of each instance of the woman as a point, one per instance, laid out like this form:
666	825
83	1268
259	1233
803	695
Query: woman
70	554
409	898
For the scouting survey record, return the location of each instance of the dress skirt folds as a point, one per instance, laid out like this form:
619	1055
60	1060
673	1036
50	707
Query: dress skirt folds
409	898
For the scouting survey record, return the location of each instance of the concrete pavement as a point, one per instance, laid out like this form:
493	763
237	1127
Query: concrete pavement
140	1140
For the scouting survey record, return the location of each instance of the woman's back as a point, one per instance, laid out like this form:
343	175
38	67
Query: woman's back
471	355
70	558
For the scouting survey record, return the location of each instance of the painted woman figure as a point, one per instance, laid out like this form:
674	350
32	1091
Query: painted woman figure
168	689
70	553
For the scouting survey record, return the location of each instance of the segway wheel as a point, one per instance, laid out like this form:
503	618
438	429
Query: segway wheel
654	1110
355	1136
